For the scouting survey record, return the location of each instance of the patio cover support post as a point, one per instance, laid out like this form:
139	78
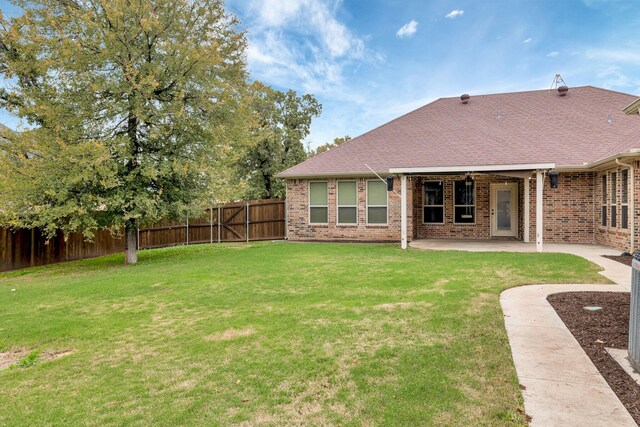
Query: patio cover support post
527	209
539	188
403	212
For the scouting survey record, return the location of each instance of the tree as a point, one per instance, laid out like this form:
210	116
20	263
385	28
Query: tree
328	146
281	122
130	102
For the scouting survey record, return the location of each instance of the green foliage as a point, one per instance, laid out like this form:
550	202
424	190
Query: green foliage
29	360
281	122
328	146
272	333
134	106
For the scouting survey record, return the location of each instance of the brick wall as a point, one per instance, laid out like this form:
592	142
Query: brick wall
572	212
449	230
298	215
568	210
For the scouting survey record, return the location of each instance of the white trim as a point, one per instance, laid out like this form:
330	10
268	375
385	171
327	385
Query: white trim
433	206
604	200
474	168
539	210
601	164
494	187
338	205
622	202
613	205
527	209
375	206
403	212
316	206
475	203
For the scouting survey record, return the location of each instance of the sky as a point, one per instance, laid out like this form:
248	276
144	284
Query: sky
370	61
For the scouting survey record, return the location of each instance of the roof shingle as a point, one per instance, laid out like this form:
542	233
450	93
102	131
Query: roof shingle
584	126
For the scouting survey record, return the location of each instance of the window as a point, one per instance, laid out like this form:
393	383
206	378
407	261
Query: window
347	202
464	202
376	202
318	203
433	206
604	200
624	198
614	197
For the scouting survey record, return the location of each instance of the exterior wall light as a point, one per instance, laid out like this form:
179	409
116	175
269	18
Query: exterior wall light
553	179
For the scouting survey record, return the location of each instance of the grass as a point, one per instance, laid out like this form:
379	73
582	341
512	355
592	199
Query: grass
29	360
270	334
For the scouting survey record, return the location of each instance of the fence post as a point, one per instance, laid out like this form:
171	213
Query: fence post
210	224
138	239
218	224
187	233
247	221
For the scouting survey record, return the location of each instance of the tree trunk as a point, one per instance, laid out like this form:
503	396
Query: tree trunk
267	185
131	243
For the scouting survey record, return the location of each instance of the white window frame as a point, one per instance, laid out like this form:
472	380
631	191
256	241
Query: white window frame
375	206
622	202
317	206
475	203
424	205
338	205
613	205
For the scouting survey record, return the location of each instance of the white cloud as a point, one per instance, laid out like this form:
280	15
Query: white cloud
274	13
313	17
301	44
553	54
616	55
527	41
408	29
613	77
454	13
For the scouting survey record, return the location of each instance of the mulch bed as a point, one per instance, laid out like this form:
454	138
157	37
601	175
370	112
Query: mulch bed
595	330
624	259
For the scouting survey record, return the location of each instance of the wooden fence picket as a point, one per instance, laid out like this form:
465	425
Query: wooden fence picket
234	222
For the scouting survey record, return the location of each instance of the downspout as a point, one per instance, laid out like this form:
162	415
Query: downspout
632	200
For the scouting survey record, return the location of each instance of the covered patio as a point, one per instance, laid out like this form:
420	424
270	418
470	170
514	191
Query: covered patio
476	202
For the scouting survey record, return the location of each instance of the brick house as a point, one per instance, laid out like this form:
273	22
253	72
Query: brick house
555	166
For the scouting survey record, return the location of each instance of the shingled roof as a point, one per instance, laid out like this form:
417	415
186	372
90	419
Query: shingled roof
586	125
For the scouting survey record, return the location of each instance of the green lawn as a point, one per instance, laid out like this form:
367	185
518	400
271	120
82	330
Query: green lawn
270	334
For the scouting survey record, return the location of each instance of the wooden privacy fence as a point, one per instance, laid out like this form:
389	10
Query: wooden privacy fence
28	248
234	222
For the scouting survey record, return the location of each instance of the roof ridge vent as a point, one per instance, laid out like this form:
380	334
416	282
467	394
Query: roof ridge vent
562	90
465	98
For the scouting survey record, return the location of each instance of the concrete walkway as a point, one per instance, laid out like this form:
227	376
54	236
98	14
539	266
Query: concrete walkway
562	387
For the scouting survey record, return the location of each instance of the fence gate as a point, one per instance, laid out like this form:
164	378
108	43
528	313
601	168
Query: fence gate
233	222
